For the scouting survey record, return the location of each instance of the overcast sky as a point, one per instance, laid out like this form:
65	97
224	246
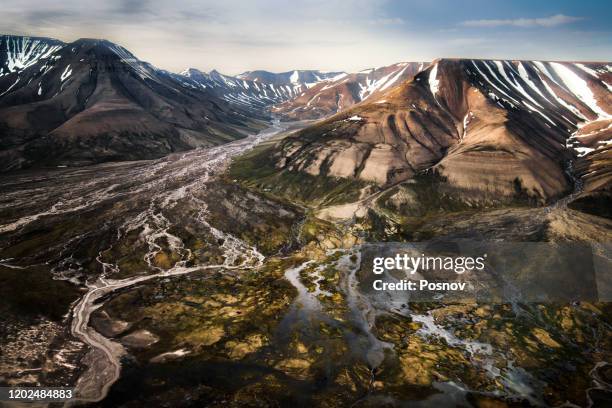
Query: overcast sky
234	36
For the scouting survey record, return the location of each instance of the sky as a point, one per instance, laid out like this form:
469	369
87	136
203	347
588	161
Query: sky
234	36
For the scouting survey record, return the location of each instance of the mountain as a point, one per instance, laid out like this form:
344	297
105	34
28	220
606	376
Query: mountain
18	53
256	92
92	101
345	90
298	80
483	130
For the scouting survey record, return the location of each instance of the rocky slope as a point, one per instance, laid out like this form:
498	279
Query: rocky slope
92	101
345	90
488	130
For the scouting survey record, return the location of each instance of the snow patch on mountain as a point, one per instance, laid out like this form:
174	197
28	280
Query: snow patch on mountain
23	52
11	87
433	81
394	79
295	77
578	87
66	74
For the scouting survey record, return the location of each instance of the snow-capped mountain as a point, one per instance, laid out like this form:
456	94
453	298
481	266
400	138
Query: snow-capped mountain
298	80
492	128
345	90
18	53
256	90
92	100
489	129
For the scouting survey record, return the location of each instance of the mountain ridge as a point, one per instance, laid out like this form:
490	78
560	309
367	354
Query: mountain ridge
336	94
250	93
492	128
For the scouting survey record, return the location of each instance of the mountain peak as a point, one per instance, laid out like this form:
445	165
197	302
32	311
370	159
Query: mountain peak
89	40
15	37
191	72
19	52
100	44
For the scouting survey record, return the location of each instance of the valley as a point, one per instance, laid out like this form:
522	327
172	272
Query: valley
175	288
200	239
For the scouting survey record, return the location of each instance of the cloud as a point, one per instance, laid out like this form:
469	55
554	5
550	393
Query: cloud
237	35
386	21
132	6
552	21
230	35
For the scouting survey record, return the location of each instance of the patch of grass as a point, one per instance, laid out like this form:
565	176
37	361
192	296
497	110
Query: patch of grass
314	227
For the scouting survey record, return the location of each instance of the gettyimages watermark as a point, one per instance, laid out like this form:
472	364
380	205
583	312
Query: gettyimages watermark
464	270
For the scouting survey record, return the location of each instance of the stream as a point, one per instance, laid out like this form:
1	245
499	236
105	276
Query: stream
145	191
105	367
